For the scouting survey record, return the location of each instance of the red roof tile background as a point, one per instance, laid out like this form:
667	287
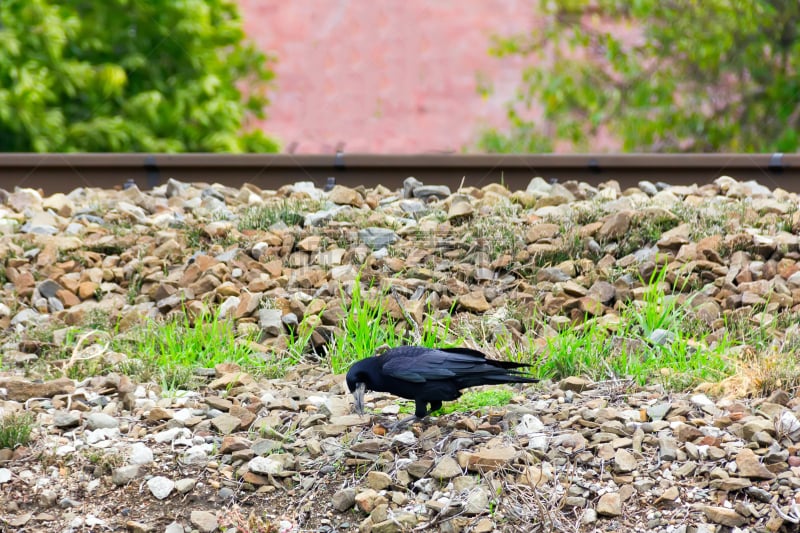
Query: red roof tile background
385	76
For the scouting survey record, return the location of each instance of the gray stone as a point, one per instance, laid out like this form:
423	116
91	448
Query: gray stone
667	448
101	421
648	188
661	337
589	516
405	438
446	468
321	217
125	474
409	184
185	485
226	424
48	288
756	425
477	501
227	308
39	229
424	192
703	402
64	419
174	188
26	316
344	499
269	320
776	454
204	521
624	461
377	237
658	411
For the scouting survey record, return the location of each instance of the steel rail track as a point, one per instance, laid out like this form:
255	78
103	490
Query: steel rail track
65	172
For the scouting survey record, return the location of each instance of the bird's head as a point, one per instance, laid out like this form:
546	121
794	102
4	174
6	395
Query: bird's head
357	384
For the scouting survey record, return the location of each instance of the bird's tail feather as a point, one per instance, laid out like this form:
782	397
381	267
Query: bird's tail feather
494	379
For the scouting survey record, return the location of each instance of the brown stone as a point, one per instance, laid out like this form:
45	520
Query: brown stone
68	298
21	389
87	290
750	466
23	281
687	433
368	499
589	305
233	379
169	249
312	243
255	479
539	232
158	414
244	415
231	443
615	226
724	516
205	285
307	277
609	504
486	459
460	210
342	195
474	301
274	268
248	303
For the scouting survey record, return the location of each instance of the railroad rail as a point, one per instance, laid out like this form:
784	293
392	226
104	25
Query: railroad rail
65	172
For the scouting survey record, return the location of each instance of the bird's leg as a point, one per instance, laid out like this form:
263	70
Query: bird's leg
420	412
404	422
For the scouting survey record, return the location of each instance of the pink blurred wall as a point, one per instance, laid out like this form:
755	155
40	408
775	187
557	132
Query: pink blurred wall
385	76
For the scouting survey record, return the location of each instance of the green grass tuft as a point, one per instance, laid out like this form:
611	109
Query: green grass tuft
471	400
366	327
262	217
168	352
16	429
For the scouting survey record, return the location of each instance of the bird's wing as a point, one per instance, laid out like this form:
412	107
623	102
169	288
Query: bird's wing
433	364
477	353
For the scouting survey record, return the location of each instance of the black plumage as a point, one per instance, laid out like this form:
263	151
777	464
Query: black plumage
429	375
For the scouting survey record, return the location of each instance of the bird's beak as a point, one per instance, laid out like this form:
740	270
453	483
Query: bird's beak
358	397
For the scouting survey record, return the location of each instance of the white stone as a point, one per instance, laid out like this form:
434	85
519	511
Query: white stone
197	455
140	454
160	486
265	465
406	438
170	435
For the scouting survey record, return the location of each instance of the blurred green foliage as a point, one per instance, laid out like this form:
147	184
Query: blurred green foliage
129	75
658	75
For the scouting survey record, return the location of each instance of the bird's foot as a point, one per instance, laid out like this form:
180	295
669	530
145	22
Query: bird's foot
400	424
